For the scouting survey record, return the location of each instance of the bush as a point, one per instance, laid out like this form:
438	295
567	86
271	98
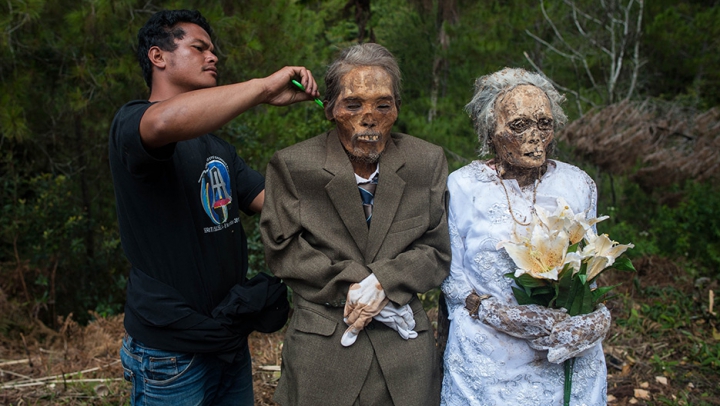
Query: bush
677	222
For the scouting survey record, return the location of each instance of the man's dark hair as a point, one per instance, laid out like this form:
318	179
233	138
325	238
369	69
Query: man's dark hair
160	31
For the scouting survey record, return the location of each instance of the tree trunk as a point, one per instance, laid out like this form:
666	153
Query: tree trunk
362	18
446	14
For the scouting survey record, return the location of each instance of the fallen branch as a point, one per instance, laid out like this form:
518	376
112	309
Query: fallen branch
2	372
54	379
14	362
711	299
69	374
47	383
269	368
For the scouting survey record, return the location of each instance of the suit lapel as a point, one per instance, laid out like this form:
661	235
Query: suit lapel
387	198
342	190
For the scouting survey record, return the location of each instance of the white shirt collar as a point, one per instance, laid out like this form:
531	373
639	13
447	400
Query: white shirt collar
359	179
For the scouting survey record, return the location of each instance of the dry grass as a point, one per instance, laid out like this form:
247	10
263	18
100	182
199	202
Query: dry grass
74	365
655	143
648	363
80	365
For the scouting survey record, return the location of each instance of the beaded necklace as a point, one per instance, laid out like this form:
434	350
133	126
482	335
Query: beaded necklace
507	196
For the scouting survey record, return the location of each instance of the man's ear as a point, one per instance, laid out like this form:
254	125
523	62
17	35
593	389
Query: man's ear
157	57
328	111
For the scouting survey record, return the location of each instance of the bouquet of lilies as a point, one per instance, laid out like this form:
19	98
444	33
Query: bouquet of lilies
558	259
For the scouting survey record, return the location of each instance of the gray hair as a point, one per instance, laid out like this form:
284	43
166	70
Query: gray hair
489	88
368	54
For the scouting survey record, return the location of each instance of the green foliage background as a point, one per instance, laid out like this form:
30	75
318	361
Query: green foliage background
67	66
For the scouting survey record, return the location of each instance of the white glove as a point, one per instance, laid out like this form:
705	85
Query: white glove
398	318
572	336
364	301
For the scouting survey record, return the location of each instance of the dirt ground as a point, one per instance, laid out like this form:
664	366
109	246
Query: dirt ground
78	365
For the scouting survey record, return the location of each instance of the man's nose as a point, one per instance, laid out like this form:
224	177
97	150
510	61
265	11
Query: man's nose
368	120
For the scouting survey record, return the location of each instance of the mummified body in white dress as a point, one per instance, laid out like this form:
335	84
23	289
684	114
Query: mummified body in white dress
484	366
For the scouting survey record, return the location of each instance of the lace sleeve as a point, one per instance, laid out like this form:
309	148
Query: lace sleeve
572	336
456	287
521	321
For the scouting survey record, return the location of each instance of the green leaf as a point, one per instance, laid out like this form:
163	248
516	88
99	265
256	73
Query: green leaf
528	281
623	264
580	299
525	299
543	290
599	293
567	269
564	290
522	297
588	301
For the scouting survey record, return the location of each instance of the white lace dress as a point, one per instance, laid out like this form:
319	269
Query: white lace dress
482	365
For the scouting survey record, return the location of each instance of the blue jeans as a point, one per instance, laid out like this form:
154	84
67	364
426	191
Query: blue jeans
172	378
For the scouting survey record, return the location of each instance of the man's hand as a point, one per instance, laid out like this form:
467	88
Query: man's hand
364	301
570	337
279	91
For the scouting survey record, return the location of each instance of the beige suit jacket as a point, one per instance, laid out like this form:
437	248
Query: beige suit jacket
317	240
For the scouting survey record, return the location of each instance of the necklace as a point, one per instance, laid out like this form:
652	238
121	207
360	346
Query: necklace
507	196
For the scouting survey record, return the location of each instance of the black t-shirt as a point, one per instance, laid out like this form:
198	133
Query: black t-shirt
179	214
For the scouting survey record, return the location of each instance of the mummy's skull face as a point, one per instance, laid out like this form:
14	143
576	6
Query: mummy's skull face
524	128
365	112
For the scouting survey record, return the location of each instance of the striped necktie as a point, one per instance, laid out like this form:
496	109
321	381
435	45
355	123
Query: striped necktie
367	192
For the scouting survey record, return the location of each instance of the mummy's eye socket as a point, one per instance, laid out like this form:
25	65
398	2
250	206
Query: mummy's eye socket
519	125
545	124
523	124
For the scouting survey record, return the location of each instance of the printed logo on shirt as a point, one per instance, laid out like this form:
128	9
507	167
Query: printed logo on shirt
215	192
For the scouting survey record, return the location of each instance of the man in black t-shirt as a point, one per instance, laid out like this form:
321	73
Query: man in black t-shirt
179	192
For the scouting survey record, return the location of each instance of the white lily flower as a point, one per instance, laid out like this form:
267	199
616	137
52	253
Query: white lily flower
542	250
542	254
580	226
555	220
574	224
603	252
575	260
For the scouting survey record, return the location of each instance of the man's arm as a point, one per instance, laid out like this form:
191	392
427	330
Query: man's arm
308	271
258	202
192	114
426	262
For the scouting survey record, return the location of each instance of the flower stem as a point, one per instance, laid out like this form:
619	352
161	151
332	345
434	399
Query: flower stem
569	365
